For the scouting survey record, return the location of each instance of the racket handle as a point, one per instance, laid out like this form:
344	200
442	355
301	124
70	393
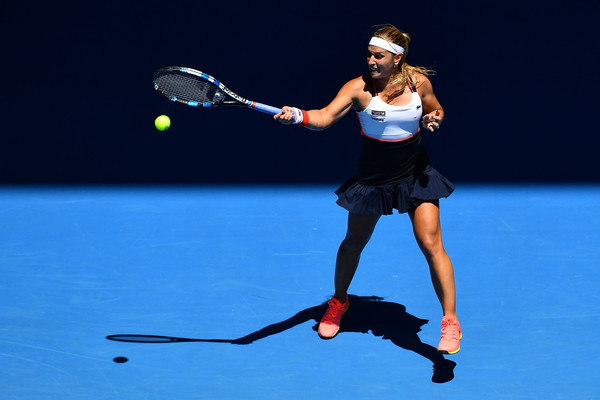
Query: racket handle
265	108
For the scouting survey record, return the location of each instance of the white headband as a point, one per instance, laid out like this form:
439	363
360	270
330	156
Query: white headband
384	44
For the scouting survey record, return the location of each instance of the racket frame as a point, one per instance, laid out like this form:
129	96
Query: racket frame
237	99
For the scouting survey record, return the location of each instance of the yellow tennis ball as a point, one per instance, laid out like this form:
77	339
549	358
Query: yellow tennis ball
162	122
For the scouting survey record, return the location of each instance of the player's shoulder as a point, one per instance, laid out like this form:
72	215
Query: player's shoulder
356	85
422	83
420	79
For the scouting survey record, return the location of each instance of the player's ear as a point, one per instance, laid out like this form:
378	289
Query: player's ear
397	58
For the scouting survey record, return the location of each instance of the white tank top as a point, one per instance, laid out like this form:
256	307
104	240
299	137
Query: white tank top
387	123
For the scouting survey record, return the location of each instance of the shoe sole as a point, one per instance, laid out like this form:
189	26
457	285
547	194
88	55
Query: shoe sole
328	337
449	352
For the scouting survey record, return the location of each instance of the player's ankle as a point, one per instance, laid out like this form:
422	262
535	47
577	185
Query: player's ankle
341	297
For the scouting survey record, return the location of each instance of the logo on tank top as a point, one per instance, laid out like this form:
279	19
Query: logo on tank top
378	115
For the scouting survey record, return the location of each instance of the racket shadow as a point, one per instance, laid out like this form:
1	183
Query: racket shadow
134	338
367	314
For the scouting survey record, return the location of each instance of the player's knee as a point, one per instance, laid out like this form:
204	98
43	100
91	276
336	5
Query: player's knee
431	245
354	244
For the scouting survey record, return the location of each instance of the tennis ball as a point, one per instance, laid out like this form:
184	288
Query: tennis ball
162	122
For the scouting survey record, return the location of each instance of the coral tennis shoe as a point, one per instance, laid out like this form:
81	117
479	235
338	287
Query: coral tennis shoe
330	323
451	335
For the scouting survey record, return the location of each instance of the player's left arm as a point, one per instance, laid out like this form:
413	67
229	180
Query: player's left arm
433	113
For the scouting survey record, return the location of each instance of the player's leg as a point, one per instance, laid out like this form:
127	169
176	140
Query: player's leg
360	229
428	232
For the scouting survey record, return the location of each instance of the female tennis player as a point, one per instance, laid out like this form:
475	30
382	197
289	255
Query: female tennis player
393	170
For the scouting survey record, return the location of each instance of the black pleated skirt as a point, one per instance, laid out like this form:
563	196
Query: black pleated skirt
392	176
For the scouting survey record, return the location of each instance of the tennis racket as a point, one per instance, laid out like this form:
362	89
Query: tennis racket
197	89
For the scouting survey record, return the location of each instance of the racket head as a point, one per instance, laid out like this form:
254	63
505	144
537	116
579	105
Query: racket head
194	88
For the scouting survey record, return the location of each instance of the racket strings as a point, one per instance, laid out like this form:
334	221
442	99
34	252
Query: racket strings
183	86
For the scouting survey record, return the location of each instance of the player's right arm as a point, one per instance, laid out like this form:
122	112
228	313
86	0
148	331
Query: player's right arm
330	114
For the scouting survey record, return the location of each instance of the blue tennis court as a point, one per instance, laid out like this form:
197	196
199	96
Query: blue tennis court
255	263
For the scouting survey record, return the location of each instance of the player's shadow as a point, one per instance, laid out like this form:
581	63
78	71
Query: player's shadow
366	314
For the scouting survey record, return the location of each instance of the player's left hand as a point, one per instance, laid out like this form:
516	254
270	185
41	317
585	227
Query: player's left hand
432	121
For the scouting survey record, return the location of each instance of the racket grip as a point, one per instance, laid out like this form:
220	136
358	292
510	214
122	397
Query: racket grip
265	108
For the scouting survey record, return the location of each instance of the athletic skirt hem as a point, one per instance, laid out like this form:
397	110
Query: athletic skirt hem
403	195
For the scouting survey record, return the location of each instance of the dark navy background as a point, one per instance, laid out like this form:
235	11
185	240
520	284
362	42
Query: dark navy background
517	80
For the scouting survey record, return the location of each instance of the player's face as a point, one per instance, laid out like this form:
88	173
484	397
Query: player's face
381	62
